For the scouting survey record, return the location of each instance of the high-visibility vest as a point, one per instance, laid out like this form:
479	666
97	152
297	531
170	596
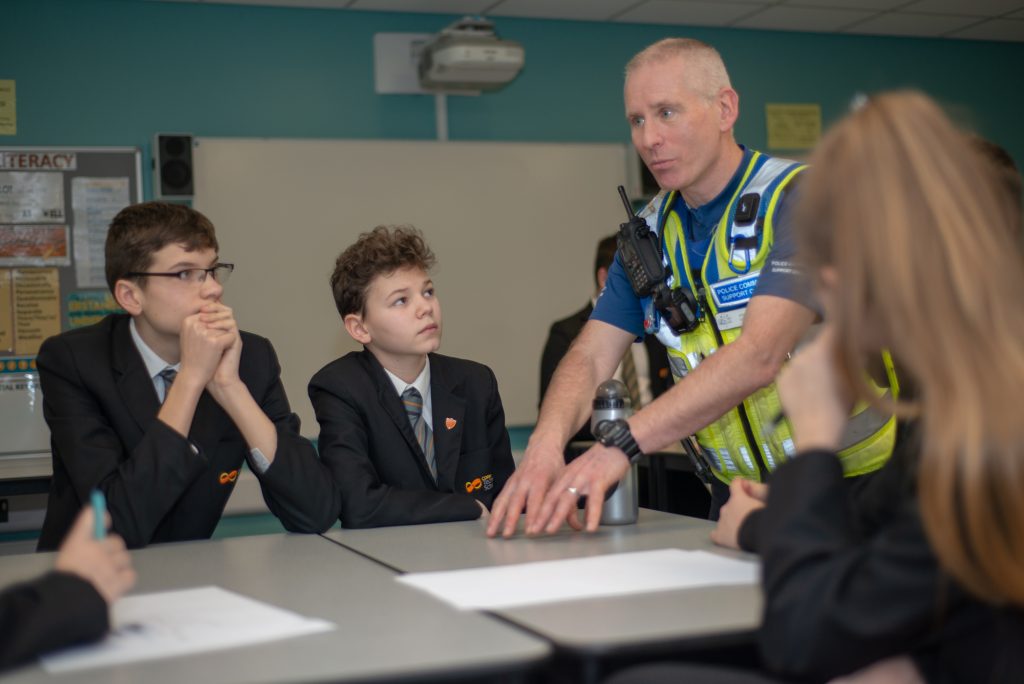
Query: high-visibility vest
747	441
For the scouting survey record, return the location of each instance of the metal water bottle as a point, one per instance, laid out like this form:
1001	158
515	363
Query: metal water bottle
610	403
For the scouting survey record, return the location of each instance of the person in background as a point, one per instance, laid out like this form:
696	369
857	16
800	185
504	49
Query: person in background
644	367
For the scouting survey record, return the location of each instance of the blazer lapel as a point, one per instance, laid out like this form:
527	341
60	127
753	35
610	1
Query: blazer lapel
133	382
448	411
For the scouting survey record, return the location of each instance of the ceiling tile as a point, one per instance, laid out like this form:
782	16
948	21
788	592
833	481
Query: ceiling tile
848	4
1017	15
587	10
688	12
994	29
786	18
977	8
902	24
433	6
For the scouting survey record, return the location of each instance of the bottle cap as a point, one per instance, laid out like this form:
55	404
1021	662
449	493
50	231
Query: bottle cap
611	394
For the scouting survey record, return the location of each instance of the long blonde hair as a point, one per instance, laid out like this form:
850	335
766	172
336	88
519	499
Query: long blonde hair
915	223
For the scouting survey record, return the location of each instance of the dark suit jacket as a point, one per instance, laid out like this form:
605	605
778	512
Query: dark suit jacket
367	442
101	407
51	612
562	334
850	578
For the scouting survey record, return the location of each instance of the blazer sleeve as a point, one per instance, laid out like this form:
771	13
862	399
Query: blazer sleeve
297	487
499	445
836	601
141	485
51	612
366	500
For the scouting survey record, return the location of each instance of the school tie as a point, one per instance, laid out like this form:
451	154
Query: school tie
629	378
413	401
167	375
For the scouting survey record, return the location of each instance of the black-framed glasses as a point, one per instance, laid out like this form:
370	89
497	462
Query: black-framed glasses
220	273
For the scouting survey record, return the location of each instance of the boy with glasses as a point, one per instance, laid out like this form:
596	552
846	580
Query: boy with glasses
159	406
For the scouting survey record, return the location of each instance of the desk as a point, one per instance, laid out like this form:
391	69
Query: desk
384	630
641	625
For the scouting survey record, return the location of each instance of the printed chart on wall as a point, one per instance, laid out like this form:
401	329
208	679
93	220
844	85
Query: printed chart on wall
55	207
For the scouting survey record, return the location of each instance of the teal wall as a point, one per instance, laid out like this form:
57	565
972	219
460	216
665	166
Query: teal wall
113	72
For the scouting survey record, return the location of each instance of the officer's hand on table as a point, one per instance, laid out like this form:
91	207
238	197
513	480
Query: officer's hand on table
590	475
526	488
744	496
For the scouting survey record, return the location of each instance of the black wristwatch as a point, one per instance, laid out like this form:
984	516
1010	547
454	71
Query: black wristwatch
615	433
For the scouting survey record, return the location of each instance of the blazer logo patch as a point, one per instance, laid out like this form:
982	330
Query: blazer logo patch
449	423
484	482
226	478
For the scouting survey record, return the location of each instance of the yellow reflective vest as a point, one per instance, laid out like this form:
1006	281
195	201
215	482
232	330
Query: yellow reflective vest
747	441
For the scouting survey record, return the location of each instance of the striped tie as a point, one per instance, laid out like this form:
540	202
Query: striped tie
413	401
167	375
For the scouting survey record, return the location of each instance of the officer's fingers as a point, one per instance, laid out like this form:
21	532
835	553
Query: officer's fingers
573	519
595	502
565	506
512	513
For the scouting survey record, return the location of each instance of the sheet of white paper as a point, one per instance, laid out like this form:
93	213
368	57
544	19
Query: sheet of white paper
172	623
616	574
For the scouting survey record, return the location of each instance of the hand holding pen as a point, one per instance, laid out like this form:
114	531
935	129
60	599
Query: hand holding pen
100	559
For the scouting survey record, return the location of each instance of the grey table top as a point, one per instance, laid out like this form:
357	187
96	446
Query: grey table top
696	616
384	629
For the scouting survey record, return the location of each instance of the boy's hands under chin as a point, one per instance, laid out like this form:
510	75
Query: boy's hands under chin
220	319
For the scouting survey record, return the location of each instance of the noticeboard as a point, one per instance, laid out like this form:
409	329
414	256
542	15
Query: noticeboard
55	206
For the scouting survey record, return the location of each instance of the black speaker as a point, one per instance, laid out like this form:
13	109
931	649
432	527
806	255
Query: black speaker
172	166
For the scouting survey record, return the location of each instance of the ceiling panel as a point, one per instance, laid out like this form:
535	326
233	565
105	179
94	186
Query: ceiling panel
848	4
688	12
438	6
938	18
787	18
982	8
903	24
592	10
994	29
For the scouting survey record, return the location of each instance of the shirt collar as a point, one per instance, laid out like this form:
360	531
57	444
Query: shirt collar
705	218
154	364
421	383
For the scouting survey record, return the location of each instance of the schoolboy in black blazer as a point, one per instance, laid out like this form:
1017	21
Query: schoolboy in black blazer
387	473
166	448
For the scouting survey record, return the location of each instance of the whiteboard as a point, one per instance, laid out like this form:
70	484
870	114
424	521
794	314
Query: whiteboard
514	226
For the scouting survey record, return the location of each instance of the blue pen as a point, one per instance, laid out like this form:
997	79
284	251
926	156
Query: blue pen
99	512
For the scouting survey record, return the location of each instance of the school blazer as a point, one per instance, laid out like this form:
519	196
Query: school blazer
101	407
369	447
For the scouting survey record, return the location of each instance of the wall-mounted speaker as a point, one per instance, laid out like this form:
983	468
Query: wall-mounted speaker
172	166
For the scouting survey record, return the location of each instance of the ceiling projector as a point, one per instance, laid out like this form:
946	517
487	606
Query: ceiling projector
469	56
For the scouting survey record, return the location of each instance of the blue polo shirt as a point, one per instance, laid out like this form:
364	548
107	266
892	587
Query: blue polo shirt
781	276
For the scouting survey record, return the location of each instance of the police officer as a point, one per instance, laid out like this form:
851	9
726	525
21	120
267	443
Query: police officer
721	219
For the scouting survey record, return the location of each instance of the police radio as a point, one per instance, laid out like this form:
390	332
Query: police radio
640	251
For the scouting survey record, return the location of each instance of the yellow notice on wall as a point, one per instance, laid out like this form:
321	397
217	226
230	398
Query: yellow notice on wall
36	308
793	126
6	314
8	111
